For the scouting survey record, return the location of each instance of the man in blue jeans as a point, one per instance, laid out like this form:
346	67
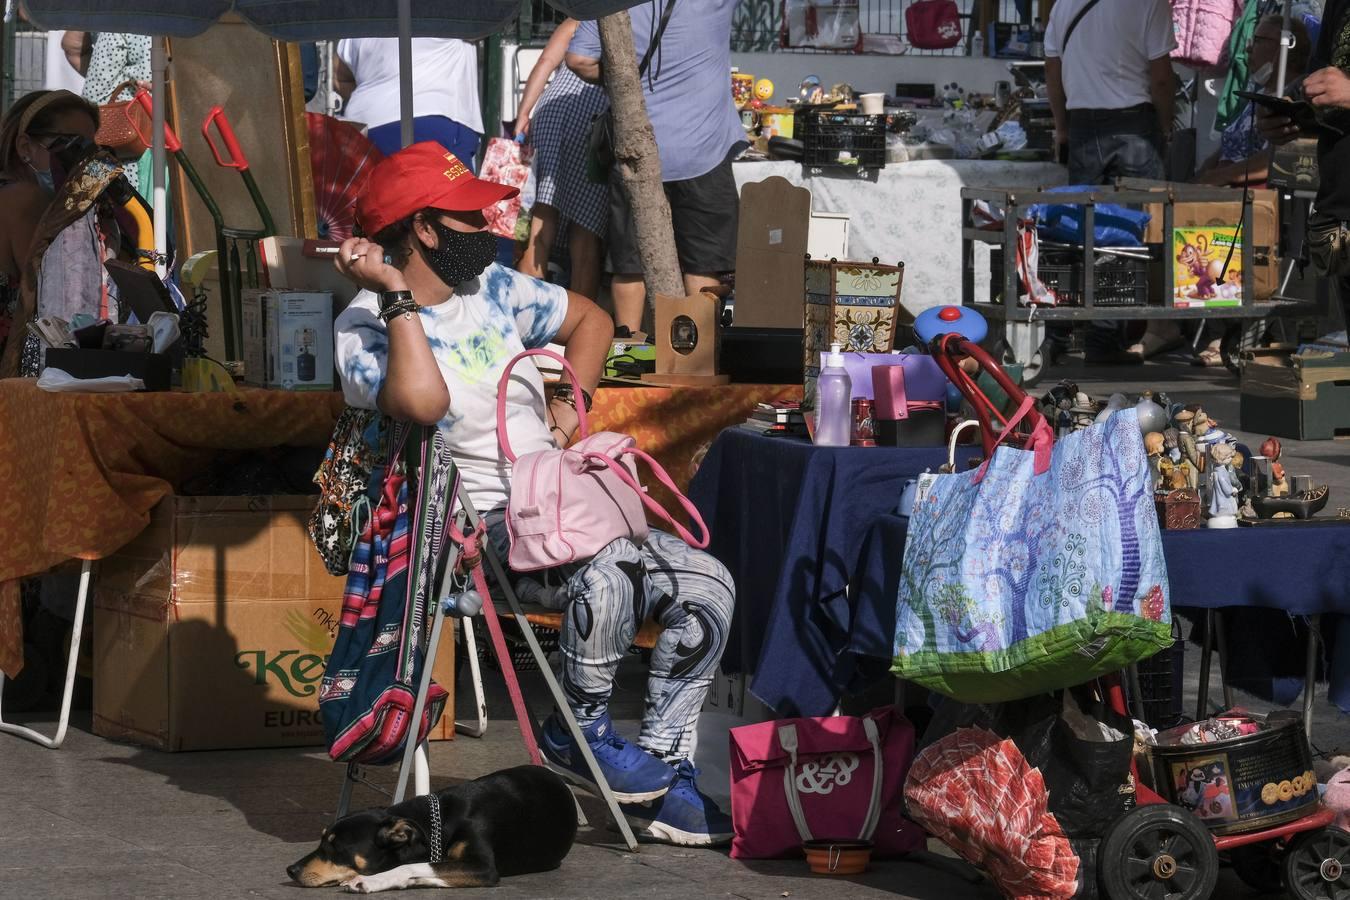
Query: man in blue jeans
1108	70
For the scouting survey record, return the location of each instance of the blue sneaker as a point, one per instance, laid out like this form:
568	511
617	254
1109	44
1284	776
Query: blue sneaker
634	775
684	816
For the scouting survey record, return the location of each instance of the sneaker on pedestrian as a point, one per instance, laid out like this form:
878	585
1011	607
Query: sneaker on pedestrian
684	816
633	774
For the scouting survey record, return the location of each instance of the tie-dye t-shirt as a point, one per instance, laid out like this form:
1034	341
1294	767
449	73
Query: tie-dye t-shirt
473	335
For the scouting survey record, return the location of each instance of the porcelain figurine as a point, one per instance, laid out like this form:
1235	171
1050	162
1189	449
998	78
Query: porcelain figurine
1271	450
1224	488
1187	473
1186	439
1084	411
1207	432
1153	445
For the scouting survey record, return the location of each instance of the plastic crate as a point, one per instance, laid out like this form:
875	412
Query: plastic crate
1118	280
1161	680
841	140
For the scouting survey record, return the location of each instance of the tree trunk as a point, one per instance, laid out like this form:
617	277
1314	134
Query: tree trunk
636	160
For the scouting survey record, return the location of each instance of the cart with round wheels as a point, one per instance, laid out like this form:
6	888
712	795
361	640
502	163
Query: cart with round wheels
1127	296
1160	851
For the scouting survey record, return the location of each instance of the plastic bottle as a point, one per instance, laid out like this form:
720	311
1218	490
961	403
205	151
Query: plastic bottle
834	410
977	45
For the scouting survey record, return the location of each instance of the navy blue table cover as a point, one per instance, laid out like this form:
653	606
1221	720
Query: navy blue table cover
1300	570
787	519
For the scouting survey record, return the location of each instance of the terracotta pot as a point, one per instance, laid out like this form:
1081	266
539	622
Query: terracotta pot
842	857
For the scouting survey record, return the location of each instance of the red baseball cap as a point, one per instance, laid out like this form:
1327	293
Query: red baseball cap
419	176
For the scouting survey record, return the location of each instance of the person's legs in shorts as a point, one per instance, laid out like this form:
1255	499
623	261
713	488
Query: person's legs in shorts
705	212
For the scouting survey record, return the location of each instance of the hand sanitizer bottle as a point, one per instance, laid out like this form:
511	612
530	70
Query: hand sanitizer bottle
834	410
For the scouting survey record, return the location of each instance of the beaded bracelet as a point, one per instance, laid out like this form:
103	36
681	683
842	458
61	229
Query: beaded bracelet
397	303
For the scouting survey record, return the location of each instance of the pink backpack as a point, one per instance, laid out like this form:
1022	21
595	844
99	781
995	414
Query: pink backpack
1202	29
568	505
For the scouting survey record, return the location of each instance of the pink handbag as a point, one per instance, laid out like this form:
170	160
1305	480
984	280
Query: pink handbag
837	778
568	505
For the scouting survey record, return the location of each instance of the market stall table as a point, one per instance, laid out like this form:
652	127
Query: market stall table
911	213
787	519
811	537
83	471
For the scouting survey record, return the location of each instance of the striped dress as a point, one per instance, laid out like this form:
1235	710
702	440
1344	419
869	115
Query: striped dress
559	131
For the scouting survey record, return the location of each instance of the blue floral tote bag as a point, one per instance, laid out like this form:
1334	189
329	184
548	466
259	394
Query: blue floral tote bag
1040	570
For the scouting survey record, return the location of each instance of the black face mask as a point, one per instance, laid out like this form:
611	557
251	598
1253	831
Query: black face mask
460	255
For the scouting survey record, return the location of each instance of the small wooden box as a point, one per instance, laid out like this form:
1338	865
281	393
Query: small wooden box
853	304
1178	509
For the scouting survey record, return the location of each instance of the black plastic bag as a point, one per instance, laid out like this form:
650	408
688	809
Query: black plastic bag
1086	768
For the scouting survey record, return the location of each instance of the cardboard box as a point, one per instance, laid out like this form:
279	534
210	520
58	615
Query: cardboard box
288	339
1265	231
213	627
1206	267
1305	396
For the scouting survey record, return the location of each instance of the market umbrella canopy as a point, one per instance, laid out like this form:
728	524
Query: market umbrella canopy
299	20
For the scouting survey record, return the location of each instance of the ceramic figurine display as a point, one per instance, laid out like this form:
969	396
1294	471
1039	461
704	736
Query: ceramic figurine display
1224	488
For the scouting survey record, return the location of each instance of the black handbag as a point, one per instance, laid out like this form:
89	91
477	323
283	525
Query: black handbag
600	142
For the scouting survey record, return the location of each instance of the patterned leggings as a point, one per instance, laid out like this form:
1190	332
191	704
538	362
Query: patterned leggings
605	601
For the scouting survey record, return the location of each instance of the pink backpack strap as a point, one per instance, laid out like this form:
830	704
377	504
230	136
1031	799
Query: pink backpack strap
655	508
503	439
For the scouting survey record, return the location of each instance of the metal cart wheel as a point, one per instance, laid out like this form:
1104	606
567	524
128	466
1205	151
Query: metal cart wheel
1317	866
1260	866
1158	852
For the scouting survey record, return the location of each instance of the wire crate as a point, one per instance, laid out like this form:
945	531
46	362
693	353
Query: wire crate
841	140
1117	280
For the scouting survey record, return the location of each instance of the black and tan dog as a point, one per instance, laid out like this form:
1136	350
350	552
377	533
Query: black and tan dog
508	823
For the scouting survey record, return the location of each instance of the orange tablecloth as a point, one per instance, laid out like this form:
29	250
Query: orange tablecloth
81	472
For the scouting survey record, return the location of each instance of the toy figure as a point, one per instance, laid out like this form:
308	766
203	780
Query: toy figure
1271	450
1207	271
1207	432
1084	411
1181	477
1186	456
1224	488
1153	444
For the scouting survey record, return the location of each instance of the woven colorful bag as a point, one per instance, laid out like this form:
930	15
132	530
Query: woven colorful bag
1040	570
369	687
354	452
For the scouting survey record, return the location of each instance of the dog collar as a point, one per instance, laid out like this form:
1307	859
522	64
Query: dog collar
437	845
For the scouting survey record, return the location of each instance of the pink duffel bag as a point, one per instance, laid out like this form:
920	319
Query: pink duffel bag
568	505
836	778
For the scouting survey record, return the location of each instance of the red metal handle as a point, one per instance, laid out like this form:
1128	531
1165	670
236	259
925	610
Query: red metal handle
237	159
948	350
171	142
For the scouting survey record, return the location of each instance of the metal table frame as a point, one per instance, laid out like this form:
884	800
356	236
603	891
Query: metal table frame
1024	323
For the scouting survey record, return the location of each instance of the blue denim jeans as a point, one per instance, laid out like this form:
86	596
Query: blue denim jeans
1106	144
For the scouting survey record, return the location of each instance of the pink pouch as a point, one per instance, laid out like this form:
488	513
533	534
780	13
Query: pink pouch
795	780
568	505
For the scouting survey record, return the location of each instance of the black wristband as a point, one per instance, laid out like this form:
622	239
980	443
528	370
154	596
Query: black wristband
396	303
567	394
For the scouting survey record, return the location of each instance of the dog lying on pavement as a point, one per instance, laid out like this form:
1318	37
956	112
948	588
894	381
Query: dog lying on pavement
511	822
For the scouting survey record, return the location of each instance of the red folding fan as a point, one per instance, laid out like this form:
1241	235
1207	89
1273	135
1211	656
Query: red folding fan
341	158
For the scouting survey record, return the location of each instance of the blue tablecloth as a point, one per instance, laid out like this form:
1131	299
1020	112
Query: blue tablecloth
810	535
1299	570
787	518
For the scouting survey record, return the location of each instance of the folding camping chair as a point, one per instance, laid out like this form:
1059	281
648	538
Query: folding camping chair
415	756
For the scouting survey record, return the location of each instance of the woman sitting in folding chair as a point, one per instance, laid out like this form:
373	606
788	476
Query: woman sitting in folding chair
427	341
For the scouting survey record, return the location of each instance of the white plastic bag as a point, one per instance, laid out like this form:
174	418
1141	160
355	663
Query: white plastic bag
822	24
